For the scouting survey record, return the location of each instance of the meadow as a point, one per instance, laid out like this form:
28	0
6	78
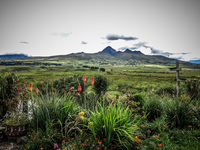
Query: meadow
123	107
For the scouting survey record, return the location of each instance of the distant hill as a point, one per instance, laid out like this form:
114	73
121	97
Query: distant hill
107	56
12	56
195	61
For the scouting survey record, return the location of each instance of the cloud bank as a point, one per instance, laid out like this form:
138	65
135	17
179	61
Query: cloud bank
113	37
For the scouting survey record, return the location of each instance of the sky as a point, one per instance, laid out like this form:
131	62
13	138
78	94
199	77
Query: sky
59	27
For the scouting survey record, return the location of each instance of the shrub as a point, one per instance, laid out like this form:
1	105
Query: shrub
178	113
192	88
139	98
153	108
7	91
170	91
100	84
115	123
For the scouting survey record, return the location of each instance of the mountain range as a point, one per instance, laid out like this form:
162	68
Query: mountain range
108	53
12	56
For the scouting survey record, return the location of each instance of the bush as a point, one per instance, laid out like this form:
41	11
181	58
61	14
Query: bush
170	91
178	113
153	108
7	91
192	88
115	123
100	84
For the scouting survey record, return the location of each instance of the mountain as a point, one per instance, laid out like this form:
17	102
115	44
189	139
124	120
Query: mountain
12	56
133	52
110	54
107	56
109	50
195	61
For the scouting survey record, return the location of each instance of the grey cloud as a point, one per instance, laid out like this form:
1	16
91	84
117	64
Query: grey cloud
113	37
83	42
24	42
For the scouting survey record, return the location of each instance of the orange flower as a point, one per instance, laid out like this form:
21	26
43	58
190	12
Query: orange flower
96	138
41	148
149	131
100	143
190	126
160	145
79	88
156	136
143	126
83	144
137	147
37	90
92	80
98	148
74	145
72	138
84	77
30	86
86	140
93	145
104	140
164	126
71	88
63	142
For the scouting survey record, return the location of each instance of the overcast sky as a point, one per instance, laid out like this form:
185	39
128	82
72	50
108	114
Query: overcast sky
58	27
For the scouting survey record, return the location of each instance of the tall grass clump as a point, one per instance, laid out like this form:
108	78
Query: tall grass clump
56	108
115	123
178	114
153	108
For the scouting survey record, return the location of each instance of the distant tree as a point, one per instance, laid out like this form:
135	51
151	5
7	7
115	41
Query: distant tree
102	69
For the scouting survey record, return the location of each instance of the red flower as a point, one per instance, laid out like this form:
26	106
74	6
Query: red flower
160	145
100	143
84	77
104	140
83	144
79	88
98	148
92	80
93	145
37	90
149	131
30	86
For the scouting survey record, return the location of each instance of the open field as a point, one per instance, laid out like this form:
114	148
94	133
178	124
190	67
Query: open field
135	78
137	110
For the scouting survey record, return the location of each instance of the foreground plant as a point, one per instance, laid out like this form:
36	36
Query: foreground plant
115	123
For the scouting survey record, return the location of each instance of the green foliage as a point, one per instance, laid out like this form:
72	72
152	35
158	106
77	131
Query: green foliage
85	140
100	84
169	91
140	97
7	91
43	138
115	123
192	88
178	113
153	108
17	119
55	108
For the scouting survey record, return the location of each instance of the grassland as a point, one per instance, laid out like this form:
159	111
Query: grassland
131	78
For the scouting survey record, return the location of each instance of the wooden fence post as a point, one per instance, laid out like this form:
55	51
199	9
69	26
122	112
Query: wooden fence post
177	69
